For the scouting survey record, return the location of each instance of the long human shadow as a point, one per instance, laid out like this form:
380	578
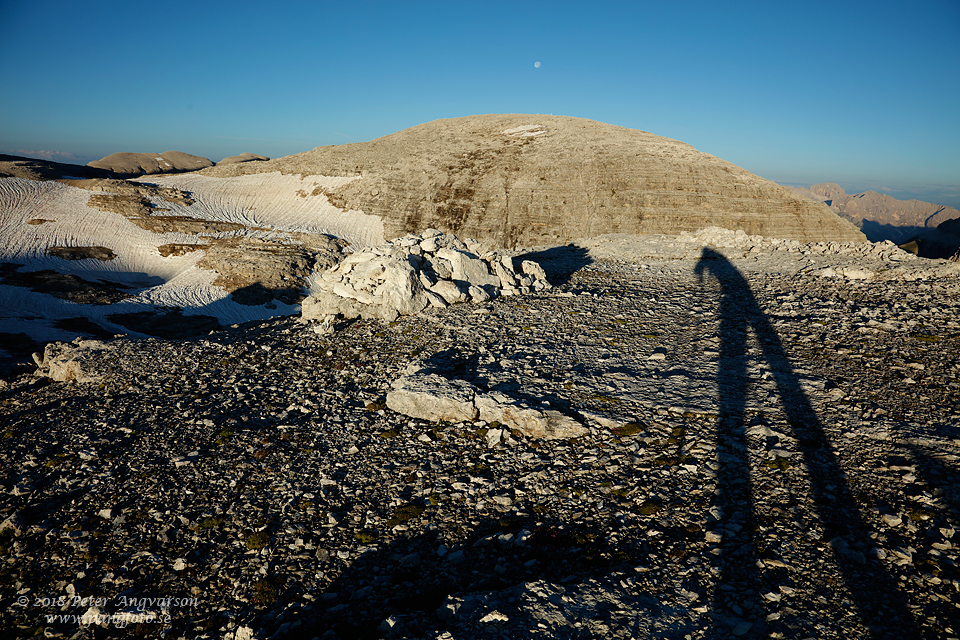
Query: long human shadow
881	605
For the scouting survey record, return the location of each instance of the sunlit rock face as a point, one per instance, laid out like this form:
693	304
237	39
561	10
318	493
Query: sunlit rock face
128	165
881	217
523	180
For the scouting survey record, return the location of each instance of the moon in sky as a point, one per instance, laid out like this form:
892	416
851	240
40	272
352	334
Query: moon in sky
537	64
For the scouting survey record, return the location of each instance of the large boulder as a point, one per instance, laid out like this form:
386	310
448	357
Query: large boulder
77	361
407	275
429	395
530	421
377	283
525	180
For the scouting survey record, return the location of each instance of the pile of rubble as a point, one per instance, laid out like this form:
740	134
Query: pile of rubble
409	274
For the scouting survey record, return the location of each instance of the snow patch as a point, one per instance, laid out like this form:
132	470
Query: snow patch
274	201
278	206
525	131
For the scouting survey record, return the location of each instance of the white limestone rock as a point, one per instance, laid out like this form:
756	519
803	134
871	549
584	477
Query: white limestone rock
374	283
851	273
468	268
413	272
496	407
508	279
66	361
532	269
433	397
449	291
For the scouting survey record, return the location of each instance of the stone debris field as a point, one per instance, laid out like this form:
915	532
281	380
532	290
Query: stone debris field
704	436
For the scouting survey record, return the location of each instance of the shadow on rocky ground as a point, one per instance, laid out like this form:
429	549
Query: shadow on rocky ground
168	323
18	346
937	473
559	263
424	585
875	595
513	567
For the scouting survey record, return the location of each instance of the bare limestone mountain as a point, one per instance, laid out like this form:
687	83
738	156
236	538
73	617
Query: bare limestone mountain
880	216
243	157
130	165
34	169
523	180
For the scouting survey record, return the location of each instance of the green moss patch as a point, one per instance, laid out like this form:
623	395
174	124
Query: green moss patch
405	513
629	429
257	541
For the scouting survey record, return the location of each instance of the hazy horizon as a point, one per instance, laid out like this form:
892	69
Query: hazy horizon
861	94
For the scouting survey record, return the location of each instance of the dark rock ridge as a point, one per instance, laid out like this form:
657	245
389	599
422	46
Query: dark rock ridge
116	165
942	242
522	180
33	169
880	216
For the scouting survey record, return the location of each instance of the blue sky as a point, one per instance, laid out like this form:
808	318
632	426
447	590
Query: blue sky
865	94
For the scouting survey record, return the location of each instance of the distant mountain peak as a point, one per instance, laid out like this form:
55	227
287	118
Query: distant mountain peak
879	216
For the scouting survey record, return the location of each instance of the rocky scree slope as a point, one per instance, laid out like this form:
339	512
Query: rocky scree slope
523	180
258	470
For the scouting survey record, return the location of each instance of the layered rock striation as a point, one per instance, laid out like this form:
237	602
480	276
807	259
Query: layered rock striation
523	180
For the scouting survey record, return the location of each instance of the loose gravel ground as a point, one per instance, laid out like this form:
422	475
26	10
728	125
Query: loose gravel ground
771	454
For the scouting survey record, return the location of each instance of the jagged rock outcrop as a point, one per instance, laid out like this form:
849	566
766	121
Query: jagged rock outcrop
933	243
523	180
129	165
406	276
942	242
